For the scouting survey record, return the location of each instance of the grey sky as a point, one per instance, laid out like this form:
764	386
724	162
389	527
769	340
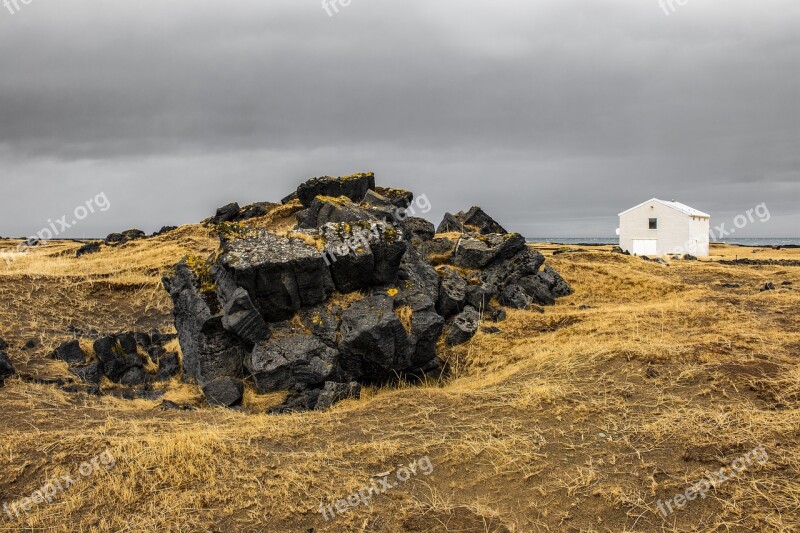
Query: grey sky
553	115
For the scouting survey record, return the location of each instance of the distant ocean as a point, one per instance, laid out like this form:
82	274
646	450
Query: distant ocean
615	240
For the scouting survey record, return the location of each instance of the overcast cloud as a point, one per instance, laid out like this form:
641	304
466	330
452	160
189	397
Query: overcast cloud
553	115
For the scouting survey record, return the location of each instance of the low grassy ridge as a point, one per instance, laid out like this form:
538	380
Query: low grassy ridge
578	419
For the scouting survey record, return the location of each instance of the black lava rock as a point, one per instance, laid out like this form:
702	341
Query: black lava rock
296	362
374	344
558	287
209	350
514	296
418	230
117	239
449	224
118	365
478	252
363	255
226	213
70	352
6	368
164	229
452	293
538	289
333	393
281	275
463	327
325	210
169	365
224	392
473	220
91	373
91	248
354	187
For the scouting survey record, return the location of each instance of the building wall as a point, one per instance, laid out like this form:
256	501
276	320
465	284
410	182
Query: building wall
675	229
699	229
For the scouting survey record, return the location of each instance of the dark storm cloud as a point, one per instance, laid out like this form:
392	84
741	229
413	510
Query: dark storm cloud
553	116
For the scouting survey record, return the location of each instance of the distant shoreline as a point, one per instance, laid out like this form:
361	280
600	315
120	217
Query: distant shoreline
763	242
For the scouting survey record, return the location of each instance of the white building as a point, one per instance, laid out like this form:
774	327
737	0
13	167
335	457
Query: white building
656	227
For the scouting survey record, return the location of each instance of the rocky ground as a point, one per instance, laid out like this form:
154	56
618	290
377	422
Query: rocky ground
542	410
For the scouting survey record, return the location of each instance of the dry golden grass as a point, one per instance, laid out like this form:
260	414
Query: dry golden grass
578	419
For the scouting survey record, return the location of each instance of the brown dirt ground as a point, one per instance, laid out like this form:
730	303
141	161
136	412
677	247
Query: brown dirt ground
578	419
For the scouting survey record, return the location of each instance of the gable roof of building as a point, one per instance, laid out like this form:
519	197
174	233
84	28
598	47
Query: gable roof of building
683	208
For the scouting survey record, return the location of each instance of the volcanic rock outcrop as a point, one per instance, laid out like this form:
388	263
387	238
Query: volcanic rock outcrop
349	296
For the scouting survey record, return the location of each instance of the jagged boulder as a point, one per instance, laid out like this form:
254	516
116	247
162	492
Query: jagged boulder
502	273
374	345
143	340
438	250
477	296
127	342
258	209
374	199
120	364
156	337
6	368
450	223
327	209
91	373
477	219
322	322
281	275
537	289
333	393
69	352
426	328
163	230
117	239
297	401
363	254
209	350
242	318
398	197
169	365
418	230
419	281
354	187
452	293
224	392
295	362
515	297
226	213
90	248
155	353
463	327
478	252
557	285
